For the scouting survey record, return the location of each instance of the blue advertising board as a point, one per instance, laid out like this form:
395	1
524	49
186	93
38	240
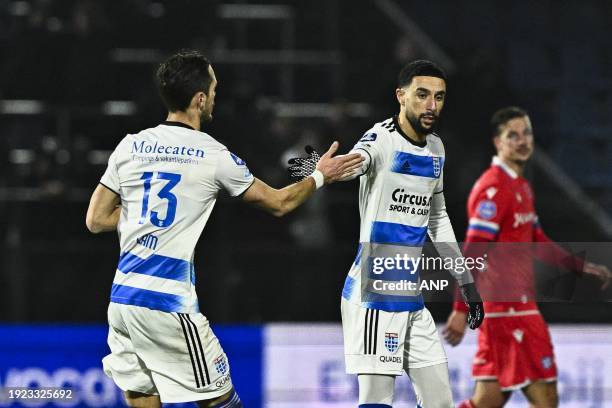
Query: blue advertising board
69	356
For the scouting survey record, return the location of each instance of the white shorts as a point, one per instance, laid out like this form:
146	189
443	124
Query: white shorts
379	342
173	355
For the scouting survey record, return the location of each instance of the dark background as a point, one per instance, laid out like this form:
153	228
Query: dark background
76	76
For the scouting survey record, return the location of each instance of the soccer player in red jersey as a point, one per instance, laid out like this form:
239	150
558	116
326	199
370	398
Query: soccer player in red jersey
514	346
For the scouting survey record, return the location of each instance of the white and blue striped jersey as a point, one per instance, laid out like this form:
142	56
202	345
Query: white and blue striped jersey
400	203
168	178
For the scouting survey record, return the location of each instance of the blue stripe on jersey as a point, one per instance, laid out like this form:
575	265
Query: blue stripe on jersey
482	228
387	303
156	265
358	256
347	290
400	234
403	304
393	274
415	165
151	299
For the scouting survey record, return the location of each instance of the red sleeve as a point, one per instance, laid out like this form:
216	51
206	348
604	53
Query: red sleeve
487	207
548	251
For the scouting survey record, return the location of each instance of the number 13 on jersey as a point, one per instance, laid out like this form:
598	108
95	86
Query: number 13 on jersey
172	180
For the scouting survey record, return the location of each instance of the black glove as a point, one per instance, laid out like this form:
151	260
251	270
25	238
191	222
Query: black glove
472	299
300	167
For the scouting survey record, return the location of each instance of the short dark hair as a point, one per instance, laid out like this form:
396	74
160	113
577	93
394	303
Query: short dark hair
419	68
503	115
180	77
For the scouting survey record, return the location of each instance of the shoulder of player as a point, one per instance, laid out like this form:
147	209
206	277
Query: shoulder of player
434	140
378	130
212	142
386	126
126	141
489	185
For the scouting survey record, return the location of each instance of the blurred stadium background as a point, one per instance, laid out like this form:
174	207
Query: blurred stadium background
76	76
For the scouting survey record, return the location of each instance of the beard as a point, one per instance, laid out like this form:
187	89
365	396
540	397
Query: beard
206	116
415	122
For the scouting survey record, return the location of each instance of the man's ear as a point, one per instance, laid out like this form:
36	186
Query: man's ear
399	94
496	142
200	100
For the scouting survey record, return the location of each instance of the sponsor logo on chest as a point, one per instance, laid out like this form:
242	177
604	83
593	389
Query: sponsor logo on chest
523	218
405	202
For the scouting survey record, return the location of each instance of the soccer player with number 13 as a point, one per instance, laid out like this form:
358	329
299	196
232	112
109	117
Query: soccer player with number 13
158	191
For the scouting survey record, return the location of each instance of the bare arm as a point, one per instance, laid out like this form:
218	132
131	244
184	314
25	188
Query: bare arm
103	212
279	202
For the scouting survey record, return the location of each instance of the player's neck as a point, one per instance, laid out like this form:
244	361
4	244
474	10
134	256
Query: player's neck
518	167
408	129
189	118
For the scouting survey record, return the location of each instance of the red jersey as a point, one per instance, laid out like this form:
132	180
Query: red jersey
501	210
501	207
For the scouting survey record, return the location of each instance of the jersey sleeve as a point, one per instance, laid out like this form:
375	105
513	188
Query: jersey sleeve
441	233
110	178
369	146
472	248
440	228
440	184
487	209
232	174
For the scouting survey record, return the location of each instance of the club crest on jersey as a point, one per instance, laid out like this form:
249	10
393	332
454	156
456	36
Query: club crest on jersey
220	365
238	160
368	137
487	209
437	168
391	342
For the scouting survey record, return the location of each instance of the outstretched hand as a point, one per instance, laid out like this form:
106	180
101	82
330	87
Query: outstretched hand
302	167
332	167
338	167
601	272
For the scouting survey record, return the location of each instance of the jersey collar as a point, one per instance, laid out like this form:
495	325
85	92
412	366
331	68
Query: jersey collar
401	132
179	124
499	163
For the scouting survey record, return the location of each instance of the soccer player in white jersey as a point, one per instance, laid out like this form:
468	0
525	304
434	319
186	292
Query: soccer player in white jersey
158	191
401	202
